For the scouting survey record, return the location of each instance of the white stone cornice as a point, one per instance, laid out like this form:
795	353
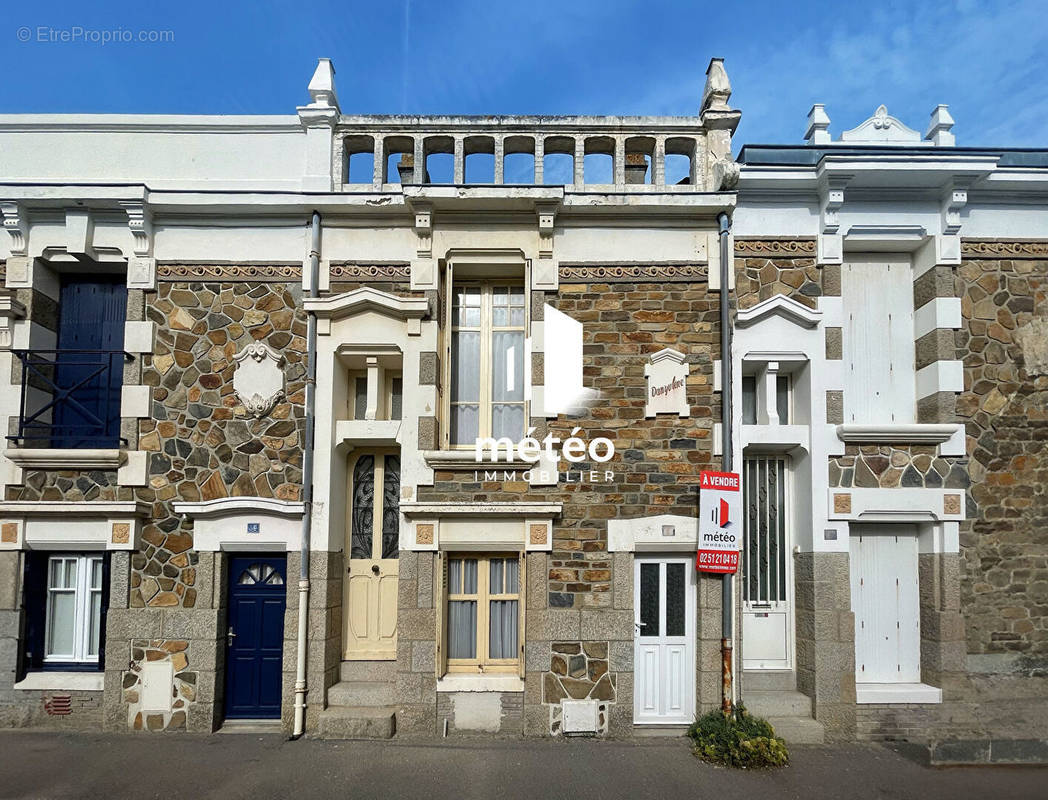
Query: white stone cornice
224	506
896	434
60	458
780	306
79	508
522	509
367	298
882	128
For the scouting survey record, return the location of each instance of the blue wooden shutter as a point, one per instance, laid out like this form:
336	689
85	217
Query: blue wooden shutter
34	611
91	317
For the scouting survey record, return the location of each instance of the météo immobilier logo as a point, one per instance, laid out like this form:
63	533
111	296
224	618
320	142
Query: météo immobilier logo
720	512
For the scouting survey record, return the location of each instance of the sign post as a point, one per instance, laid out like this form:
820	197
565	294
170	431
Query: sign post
720	522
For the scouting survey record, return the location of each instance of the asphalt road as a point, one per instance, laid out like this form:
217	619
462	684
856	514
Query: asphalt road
47	765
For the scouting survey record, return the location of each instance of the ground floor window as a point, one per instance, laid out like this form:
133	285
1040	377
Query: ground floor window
65	597
483	612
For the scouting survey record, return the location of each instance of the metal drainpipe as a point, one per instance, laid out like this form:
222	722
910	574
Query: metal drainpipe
307	484
727	606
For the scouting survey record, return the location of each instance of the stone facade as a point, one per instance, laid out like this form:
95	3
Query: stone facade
1004	585
894	466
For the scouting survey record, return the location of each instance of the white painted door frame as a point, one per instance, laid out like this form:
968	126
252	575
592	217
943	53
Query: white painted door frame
664	663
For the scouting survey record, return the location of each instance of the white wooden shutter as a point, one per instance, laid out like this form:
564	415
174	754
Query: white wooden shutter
877	298
442	614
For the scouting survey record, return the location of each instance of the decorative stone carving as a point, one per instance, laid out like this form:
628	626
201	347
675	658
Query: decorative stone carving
537	534
842	503
424	533
226	272
259	378
667	376
370	272
121	532
631	273
882	128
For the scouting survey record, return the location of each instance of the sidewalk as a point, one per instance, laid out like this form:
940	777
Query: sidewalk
50	765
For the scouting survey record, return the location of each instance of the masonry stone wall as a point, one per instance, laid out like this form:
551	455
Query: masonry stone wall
1004	542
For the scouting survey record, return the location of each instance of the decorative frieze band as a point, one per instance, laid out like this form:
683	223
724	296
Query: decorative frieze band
991	248
370	272
229	272
633	272
775	248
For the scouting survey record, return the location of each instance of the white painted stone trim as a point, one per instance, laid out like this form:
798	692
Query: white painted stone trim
922	433
645	534
139	337
222	524
479	683
136	401
897	693
467	460
368	432
940	376
895	505
60	458
942	312
367	299
61	681
782	306
523	509
84	525
134	472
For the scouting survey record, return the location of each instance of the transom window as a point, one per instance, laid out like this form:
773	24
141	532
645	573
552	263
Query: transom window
487	362
483	613
74	608
375	507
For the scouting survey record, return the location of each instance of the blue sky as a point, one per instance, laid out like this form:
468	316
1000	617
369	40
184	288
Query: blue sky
987	60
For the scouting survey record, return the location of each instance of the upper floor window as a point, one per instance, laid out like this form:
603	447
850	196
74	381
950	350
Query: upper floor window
487	361
877	297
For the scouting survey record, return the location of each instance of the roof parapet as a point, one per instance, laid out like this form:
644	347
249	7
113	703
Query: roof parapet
881	129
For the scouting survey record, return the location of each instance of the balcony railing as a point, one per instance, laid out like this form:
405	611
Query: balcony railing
70	398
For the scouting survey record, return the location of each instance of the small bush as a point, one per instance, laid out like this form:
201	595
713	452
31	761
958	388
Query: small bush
737	740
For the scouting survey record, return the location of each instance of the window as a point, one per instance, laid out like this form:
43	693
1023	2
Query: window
484	612
375	506
390	401
487	362
749	399
65	600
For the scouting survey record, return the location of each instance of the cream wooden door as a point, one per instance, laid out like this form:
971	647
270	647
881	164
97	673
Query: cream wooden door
369	609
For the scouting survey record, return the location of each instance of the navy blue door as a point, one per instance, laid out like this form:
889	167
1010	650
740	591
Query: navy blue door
255	638
90	366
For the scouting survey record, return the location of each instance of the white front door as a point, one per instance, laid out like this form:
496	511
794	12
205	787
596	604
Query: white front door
886	602
767	567
664	644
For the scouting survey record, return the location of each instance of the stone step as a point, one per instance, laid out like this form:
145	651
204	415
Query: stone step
367	670
355	722
768	681
373	694
798	730
777	704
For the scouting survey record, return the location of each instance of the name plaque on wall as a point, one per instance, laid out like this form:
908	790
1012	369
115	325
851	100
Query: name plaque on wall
667	375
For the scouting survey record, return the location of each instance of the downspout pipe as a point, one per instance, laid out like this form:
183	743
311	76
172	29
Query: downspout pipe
301	687
727	605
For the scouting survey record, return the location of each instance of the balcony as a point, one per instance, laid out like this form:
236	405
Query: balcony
69	401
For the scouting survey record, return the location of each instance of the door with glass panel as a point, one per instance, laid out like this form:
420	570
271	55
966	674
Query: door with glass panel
767	574
664	641
372	545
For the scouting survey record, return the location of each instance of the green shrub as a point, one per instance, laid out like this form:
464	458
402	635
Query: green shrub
737	740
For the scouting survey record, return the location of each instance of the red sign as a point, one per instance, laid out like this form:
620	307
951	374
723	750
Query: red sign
720	518
726	561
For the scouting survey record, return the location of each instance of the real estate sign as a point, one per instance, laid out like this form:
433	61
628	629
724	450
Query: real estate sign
720	522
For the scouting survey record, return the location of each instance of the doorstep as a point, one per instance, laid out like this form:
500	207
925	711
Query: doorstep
251	726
